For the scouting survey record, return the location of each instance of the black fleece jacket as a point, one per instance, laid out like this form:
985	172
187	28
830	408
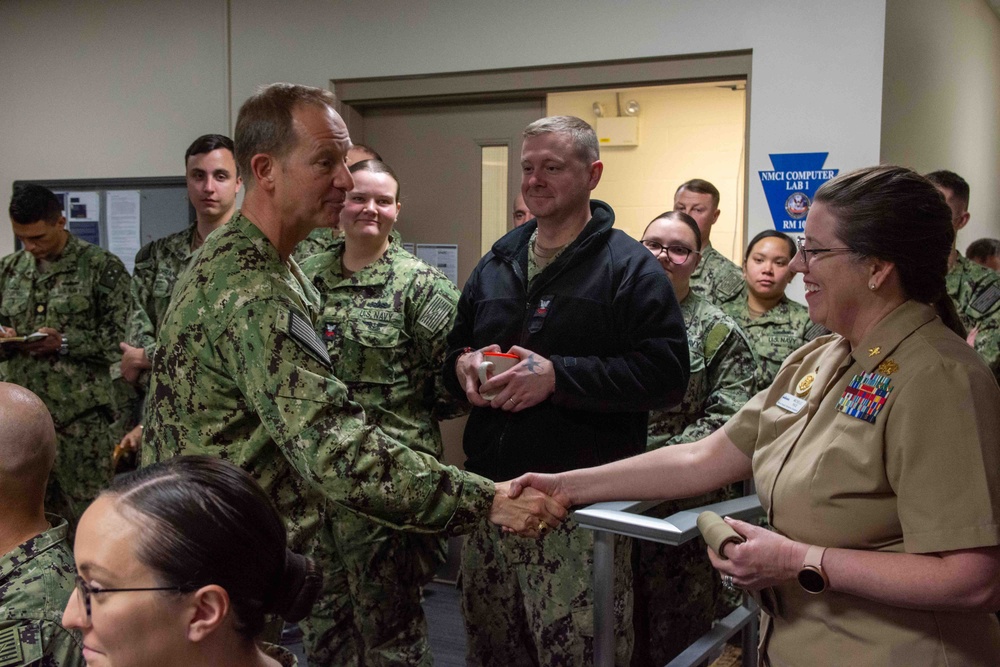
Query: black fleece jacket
604	313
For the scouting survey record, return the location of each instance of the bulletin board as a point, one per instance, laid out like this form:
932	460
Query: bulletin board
122	214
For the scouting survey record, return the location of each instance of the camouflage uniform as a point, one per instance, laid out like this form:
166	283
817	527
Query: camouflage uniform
716	279
36	581
775	334
240	373
385	329
976	293
320	240
84	295
284	657
677	590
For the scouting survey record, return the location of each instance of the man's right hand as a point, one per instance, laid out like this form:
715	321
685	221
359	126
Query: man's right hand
134	361
467	371
529	515
132	440
550	484
7	332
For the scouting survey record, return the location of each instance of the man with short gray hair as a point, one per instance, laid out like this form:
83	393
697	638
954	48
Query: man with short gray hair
600	340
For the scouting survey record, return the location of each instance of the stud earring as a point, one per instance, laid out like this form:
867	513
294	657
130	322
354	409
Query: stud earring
871	286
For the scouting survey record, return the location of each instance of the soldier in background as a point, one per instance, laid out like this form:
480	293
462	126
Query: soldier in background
985	252
716	278
240	372
385	320
974	288
521	214
77	294
212	185
677	590
36	566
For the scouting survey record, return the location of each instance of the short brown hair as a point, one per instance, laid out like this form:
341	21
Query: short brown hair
701	187
264	123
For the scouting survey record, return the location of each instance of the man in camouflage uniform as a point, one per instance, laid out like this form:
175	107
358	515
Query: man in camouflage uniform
385	330
716	278
600	339
240	373
36	566
975	289
212	184
77	294
677	590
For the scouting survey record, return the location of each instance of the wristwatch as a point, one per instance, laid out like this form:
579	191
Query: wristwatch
64	346
812	577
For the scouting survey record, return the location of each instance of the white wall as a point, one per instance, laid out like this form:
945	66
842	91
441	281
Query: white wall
78	74
941	98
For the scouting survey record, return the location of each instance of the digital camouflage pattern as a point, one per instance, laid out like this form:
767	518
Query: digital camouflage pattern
240	373
158	265
385	330
678	591
976	293
724	373
775	334
36	581
84	295
319	241
716	278
503	575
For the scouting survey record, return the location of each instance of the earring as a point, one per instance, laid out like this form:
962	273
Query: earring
871	286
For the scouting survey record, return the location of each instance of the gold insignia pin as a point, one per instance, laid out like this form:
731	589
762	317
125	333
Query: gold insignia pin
872	351
888	367
805	384
40	308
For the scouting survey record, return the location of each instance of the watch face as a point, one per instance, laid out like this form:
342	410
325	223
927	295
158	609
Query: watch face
811	580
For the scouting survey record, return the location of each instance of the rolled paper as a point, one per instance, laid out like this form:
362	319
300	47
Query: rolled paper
717	533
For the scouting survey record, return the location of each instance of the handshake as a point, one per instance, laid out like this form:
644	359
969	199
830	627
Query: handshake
530	504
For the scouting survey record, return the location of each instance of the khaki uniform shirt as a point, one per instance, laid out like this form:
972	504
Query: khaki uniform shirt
976	293
716	279
240	373
36	581
385	330
775	334
724	374
915	472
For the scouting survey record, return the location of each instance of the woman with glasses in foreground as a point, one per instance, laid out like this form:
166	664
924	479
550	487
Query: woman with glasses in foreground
775	325
179	564
677	593
876	452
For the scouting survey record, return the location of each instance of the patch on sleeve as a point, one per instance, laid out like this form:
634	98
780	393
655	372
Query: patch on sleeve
984	302
435	313
815	331
10	647
715	338
730	285
302	333
112	273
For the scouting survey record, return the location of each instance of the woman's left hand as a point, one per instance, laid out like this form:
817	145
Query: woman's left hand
765	559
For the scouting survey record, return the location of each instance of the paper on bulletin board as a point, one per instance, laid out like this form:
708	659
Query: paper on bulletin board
83	206
124	239
443	257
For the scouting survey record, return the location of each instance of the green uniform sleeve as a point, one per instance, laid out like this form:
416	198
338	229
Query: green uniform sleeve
141	332
429	322
324	436
111	296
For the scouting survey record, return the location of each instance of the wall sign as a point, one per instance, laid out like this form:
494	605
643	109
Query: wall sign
790	187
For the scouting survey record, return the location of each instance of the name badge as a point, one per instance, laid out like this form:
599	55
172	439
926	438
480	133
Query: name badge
791	403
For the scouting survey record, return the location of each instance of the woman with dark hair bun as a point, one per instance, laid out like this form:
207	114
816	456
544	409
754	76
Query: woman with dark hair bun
876	452
775	325
179	564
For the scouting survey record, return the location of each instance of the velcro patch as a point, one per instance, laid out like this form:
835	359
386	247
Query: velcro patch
302	333
730	285
10	647
435	313
984	302
112	272
815	331
715	338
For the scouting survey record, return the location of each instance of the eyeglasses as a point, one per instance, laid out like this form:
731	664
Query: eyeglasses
808	253
677	254
86	590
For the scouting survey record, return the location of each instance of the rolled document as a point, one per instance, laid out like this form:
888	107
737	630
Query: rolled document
717	533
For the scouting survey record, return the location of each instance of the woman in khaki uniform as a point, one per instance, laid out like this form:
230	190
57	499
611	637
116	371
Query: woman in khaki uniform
876	452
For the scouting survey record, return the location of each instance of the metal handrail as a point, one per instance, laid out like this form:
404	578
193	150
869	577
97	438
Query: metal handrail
626	518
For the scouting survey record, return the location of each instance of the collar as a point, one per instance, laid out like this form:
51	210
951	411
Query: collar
879	343
67	261
513	243
28	551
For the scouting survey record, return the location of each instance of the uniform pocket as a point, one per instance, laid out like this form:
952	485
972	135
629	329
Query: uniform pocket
13	303
69	309
372	353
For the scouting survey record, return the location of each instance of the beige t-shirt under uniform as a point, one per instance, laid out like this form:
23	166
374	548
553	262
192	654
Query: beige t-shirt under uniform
908	462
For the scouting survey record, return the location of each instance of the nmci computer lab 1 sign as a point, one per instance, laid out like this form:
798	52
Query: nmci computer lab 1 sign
790	187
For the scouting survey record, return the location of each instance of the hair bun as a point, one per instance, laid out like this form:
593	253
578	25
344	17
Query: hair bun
298	588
